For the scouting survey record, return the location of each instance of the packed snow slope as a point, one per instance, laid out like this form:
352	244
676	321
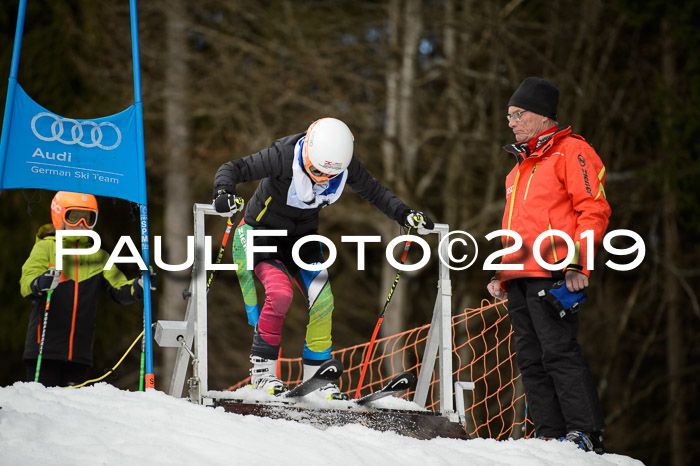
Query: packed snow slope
102	425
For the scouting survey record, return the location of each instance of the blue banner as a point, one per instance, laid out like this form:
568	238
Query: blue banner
47	151
104	156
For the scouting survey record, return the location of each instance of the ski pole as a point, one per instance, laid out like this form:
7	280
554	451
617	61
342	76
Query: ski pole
142	364
224	241
229	224
142	367
381	318
43	330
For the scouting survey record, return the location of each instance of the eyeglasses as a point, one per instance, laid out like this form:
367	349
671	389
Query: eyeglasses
516	115
74	216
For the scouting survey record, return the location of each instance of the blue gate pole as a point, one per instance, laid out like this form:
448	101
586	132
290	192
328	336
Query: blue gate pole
11	87
149	378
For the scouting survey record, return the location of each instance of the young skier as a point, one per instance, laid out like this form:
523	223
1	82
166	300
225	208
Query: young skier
70	323
300	174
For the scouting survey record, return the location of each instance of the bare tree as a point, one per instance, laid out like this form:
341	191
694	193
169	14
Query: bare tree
177	193
671	253
400	144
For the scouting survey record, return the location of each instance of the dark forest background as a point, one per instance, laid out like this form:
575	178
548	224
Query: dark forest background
424	87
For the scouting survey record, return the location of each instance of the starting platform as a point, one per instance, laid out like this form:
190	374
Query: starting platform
422	425
190	337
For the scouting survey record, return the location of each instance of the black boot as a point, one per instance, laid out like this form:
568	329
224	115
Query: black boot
587	441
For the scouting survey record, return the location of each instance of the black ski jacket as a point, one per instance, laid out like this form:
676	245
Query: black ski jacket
268	207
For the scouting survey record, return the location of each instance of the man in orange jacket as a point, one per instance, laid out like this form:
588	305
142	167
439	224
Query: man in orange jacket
557	183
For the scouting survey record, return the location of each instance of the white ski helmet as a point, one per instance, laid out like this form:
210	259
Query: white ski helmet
328	149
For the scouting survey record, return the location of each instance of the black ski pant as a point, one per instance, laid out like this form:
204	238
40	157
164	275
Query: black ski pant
559	387
54	373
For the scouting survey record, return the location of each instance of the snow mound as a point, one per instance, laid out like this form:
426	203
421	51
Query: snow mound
104	425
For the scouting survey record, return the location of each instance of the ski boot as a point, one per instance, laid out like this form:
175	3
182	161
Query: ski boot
262	376
586	441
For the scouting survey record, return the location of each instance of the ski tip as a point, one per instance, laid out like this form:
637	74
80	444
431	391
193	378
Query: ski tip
329	371
331	368
334	362
403	381
399	383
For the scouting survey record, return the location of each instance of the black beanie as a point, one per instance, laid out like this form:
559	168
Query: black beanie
538	96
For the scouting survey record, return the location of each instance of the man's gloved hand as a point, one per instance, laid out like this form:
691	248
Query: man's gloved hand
421	222
226	203
44	282
138	283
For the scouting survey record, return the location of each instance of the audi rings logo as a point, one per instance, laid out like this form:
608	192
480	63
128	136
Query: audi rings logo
77	131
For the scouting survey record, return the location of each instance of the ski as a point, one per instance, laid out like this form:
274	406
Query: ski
328	372
399	383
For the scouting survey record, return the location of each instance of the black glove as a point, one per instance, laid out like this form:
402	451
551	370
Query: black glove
418	220
44	282
227	203
138	284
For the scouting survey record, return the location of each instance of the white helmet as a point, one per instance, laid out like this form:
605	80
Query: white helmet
328	149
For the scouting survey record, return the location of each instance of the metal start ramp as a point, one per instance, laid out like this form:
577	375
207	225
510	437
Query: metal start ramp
190	337
422	425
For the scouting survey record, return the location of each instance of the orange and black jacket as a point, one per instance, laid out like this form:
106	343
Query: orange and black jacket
73	307
557	183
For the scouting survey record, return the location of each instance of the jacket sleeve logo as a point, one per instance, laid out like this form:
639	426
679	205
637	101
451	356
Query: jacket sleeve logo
582	162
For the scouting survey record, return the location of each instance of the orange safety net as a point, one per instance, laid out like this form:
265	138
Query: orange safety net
483	353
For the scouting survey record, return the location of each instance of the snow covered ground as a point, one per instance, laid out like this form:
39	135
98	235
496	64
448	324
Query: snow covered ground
102	425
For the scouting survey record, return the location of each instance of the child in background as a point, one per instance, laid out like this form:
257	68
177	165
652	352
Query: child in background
70	329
